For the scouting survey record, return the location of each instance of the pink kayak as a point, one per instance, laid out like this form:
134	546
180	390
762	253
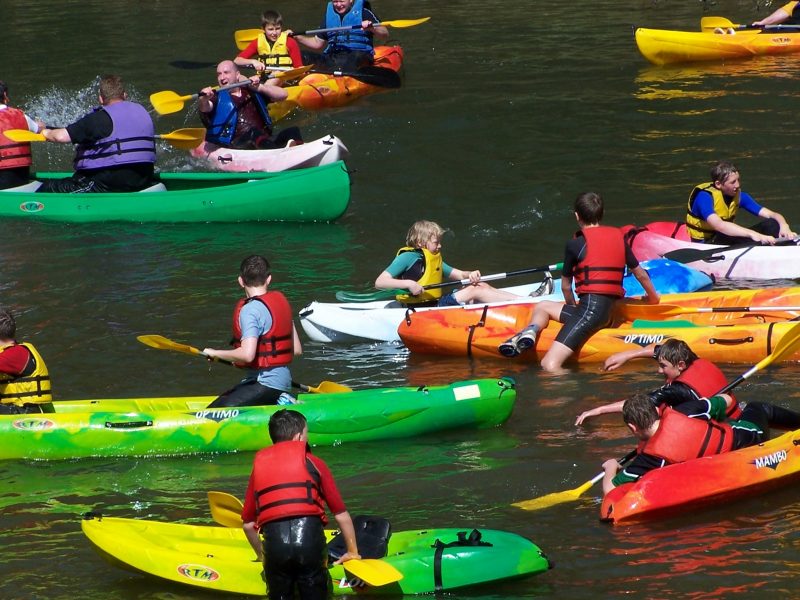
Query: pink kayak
311	154
740	261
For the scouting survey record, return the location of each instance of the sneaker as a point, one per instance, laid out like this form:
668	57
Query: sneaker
509	347
545	288
526	339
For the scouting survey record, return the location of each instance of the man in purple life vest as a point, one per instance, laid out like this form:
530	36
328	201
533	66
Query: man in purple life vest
115	145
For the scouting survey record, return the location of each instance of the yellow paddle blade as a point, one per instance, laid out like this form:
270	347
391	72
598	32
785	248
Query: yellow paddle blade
712	23
161	343
330	387
226	509
185	139
404	22
556	497
23	135
292	73
373	571
168	102
243	37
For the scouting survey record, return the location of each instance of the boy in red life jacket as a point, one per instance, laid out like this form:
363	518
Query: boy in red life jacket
15	157
668	437
596	259
419	263
689	380
264	340
283	503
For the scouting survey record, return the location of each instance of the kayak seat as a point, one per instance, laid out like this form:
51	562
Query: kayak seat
28	187
372	538
159	187
644	324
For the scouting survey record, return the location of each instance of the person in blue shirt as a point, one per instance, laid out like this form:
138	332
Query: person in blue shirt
348	49
713	206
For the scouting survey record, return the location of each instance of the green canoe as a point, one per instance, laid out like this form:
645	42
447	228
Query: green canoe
163	426
315	194
221	560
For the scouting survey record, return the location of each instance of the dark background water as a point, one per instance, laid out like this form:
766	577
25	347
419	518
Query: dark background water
507	112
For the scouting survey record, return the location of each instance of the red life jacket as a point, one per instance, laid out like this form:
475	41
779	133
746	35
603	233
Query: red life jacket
276	347
283	485
680	438
13	154
705	378
602	268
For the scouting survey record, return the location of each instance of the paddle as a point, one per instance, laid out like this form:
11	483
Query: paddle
243	37
689	255
185	139
162	343
227	511
712	23
788	344
662	311
168	102
344	296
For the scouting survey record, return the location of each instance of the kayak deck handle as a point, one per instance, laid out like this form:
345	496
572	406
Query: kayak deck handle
128	424
731	342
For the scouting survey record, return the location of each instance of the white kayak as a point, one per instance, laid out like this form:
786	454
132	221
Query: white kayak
351	322
310	154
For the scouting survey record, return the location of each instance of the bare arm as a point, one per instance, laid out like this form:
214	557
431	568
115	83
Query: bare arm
251	533
311	41
779	16
734	230
613	407
271	88
57	135
651	295
243	354
610	468
298	347
566	289
205	104
345	524
620	358
385	281
785	230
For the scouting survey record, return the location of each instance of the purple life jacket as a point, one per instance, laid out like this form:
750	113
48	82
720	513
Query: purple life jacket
132	139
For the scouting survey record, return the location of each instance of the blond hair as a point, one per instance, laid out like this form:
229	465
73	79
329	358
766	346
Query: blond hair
422	232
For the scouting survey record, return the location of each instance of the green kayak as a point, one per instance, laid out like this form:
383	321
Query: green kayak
315	194
164	426
220	558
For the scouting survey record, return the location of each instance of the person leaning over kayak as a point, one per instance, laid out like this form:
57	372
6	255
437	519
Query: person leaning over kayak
420	263
349	49
283	503
596	259
713	206
667	437
238	117
15	157
24	378
115	145
688	379
264	340
273	48
789	13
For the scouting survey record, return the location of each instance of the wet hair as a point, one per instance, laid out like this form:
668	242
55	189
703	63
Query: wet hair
673	351
722	170
254	270
8	327
111	88
639	410
271	17
285	424
3	89
422	232
589	208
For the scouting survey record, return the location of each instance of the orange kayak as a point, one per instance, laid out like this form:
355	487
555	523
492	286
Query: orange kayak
705	481
320	90
477	330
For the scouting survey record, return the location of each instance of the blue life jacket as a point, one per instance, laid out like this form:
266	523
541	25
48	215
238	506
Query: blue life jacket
351	39
222	126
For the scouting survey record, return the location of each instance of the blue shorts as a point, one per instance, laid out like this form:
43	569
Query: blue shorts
448	300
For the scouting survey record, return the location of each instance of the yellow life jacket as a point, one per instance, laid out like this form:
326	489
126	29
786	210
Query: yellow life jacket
276	55
699	229
32	386
431	273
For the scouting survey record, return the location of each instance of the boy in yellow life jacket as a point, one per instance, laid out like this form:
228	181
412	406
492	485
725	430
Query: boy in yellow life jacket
273	48
24	379
419	263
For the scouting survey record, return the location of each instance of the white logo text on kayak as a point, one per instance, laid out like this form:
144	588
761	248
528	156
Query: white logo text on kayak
770	460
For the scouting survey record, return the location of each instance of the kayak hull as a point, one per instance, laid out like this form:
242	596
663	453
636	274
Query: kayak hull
318	91
351	322
710	480
220	558
168	426
302	195
740	262
323	151
664	47
721	337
